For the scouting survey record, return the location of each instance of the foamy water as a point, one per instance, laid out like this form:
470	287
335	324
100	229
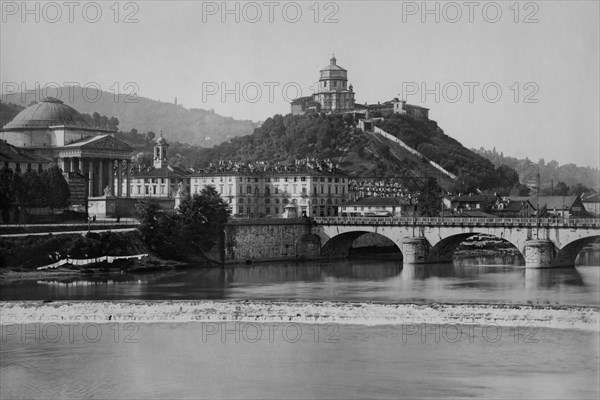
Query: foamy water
560	317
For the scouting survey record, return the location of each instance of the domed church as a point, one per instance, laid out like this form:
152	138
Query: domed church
52	129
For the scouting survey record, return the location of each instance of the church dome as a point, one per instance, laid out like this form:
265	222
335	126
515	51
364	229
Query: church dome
161	141
45	113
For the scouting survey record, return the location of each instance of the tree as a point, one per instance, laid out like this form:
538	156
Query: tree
97	120
203	216
149	135
56	192
429	198
561	189
113	123
9	190
197	225
31	192
578	189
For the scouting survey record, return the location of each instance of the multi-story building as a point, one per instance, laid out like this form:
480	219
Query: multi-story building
161	180
264	191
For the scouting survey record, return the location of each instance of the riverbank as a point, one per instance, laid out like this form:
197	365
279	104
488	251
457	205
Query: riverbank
20	257
372	313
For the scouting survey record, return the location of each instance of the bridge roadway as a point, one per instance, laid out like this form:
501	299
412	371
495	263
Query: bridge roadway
542	242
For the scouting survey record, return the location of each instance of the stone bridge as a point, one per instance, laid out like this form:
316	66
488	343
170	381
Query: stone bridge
542	242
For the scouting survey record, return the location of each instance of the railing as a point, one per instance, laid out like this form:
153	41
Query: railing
437	221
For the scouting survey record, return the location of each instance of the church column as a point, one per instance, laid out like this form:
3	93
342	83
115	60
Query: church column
100	177
90	172
120	179
66	164
127	181
111	176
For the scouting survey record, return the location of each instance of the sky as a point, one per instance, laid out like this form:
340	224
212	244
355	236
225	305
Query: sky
522	77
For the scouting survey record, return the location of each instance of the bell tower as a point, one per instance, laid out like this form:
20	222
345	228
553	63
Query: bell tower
160	152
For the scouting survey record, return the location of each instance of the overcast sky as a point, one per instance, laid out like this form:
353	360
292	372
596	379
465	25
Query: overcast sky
523	78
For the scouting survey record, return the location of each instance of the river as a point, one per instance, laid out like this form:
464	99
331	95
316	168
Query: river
259	358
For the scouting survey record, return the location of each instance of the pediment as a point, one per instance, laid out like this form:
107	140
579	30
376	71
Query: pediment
106	143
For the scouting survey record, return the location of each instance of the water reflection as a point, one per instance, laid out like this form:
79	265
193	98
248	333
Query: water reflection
350	280
550	278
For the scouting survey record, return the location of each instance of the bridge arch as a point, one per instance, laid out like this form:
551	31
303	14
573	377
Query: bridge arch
568	254
443	251
339	246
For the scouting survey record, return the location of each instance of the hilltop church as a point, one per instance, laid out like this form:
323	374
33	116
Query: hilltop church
335	95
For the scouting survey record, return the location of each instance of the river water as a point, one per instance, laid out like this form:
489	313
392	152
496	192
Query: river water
263	359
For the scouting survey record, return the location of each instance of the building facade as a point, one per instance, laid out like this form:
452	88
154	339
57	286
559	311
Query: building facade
160	180
89	157
265	191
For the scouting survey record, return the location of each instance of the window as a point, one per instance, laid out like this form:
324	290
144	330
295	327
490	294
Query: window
303	179
267	179
267	201
255	179
303	189
322	189
249	189
337	180
276	201
328	179
285	201
241	200
241	210
267	191
267	210
276	210
336	190
276	189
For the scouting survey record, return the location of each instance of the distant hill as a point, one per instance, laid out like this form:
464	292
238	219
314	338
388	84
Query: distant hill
550	171
363	154
193	126
8	112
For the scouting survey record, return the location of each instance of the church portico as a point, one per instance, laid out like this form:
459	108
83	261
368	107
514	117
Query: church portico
99	159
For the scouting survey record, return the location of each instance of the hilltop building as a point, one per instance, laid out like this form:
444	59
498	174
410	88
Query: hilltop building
332	95
335	95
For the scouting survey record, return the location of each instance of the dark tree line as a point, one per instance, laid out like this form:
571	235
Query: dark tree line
33	189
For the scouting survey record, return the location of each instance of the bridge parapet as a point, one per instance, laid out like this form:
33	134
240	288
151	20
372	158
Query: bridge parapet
437	221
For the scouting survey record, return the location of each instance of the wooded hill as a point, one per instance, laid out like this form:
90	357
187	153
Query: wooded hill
363	154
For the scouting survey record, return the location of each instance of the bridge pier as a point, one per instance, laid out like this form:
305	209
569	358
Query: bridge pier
539	253
415	250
